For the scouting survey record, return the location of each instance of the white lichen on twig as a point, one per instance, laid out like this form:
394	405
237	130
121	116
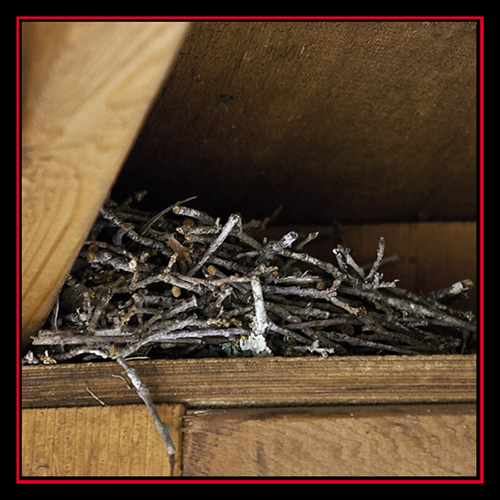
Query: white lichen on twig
256	341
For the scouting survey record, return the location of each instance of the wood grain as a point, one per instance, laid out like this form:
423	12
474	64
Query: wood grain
103	441
344	441
259	381
86	89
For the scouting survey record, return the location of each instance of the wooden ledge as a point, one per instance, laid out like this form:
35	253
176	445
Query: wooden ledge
239	382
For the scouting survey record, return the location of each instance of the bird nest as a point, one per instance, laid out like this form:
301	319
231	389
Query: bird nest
181	283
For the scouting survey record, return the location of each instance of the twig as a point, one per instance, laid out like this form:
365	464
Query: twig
100	401
260	325
143	392
378	260
227	228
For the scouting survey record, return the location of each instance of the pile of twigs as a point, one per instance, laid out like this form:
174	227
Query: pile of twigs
181	283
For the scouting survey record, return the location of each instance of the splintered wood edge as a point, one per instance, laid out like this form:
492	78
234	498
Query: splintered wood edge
254	382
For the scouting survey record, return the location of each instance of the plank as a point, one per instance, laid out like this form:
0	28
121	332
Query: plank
343	441
259	381
118	441
87	87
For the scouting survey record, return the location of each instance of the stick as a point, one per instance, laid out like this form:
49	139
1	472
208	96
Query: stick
143	392
227	228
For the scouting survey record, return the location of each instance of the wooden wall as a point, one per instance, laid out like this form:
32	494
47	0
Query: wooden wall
338	121
423	442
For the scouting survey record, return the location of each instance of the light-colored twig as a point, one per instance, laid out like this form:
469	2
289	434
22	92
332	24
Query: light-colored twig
143	392
233	220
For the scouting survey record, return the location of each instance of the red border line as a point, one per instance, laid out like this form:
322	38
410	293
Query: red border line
479	479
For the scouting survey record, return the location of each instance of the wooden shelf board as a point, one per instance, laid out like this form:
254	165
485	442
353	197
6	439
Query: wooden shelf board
261	382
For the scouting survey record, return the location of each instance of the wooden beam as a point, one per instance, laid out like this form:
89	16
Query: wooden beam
87	87
259	381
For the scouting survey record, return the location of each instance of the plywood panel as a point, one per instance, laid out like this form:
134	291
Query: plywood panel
415	441
98	441
348	121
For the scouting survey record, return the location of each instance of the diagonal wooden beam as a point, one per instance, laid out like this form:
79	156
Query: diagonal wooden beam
87	87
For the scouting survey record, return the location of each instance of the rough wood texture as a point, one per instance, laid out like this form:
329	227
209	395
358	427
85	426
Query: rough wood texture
87	87
415	441
259	381
98	441
121	441
338	121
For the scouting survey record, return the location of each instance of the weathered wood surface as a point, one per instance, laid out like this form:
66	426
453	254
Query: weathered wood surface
259	381
103	441
429	440
87	87
343	441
